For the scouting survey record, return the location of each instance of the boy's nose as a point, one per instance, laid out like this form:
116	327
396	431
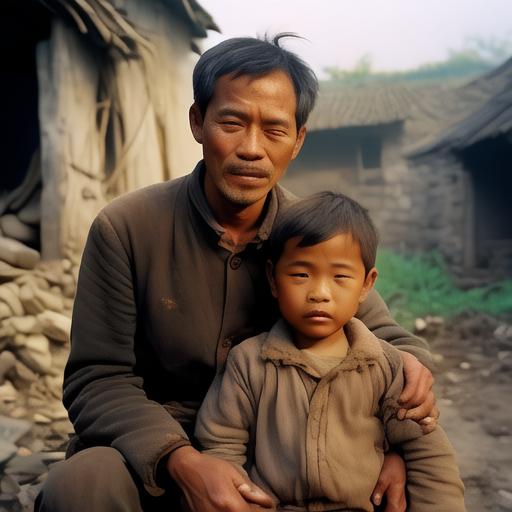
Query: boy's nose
319	294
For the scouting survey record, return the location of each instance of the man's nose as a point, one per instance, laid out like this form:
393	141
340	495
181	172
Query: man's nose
250	147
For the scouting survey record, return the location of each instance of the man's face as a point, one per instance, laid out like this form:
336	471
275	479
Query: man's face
249	136
319	288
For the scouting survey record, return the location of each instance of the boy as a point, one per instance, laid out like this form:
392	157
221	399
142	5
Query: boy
307	409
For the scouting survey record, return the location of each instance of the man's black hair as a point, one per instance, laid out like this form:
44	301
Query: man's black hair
256	57
320	217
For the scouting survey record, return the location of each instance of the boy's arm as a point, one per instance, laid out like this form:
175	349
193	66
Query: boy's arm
228	411
433	480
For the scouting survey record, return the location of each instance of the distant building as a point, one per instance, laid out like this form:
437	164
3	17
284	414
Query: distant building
359	141
96	96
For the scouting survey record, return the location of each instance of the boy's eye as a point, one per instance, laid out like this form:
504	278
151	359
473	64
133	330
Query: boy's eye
299	274
340	276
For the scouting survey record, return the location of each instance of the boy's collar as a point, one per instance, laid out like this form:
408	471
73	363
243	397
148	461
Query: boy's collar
364	348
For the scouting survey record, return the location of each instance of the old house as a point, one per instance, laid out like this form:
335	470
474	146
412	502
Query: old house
359	139
475	156
96	95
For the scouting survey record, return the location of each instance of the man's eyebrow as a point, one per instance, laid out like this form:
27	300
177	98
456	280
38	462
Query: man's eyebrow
273	121
229	111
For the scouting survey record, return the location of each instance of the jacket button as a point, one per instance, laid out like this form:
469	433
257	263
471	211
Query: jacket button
226	342
235	262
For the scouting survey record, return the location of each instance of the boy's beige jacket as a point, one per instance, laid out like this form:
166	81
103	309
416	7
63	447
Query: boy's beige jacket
318	443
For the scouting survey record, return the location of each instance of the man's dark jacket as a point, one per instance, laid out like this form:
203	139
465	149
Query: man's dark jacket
160	301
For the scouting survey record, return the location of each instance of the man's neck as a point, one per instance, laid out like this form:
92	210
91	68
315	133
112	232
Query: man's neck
240	222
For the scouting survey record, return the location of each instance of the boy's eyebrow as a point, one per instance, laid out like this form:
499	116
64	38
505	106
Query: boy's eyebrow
309	264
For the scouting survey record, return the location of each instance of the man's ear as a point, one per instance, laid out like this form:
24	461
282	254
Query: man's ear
271	278
298	143
369	281
196	122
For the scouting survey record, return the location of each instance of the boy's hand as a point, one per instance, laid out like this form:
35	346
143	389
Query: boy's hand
213	485
417	398
391	484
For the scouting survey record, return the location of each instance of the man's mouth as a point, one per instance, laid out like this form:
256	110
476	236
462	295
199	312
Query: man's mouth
248	172
317	314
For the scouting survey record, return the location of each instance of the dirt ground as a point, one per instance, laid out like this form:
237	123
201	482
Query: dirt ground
474	388
473	354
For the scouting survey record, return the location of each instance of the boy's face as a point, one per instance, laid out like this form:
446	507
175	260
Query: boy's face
319	288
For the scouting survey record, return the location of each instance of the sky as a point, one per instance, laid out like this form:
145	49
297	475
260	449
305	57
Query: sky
397	34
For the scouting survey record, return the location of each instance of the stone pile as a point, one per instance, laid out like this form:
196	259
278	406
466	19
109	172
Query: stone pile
20	209
36	299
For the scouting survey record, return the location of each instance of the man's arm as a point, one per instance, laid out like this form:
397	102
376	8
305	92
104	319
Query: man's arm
105	399
417	399
376	316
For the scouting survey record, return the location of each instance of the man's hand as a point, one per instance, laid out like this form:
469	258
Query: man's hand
391	484
214	485
417	398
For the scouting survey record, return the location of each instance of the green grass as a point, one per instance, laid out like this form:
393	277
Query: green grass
420	285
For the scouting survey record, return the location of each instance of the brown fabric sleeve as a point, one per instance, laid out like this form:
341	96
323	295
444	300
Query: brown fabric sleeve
433	480
228	411
105	398
376	316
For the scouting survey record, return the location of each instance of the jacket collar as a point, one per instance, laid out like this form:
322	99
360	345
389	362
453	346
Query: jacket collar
364	348
196	194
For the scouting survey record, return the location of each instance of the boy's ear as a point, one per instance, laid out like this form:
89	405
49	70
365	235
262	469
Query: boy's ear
196	122
369	281
271	279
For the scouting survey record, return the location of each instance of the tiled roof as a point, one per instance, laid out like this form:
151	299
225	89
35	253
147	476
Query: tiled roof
490	118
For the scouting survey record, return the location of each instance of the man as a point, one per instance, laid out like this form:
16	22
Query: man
172	276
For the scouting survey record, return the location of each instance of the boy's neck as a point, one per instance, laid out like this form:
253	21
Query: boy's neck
336	345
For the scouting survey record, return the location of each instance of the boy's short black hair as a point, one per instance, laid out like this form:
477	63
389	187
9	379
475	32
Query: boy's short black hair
320	217
255	57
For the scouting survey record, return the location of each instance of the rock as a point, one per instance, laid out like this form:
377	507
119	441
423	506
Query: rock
31	212
504	354
9	294
13	429
26	324
31	465
8	392
7	450
5	311
50	457
57	412
7	362
497	430
66	265
68	286
36	353
9	485
420	325
35	280
18	412
55	325
19	340
17	254
21	376
36	301
465	365
41	419
452	377
23	451
437	358
8	272
505	494
13	227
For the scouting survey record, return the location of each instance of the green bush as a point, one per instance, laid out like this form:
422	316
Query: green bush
420	285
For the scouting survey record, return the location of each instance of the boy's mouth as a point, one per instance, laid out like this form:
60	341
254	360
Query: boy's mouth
317	313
